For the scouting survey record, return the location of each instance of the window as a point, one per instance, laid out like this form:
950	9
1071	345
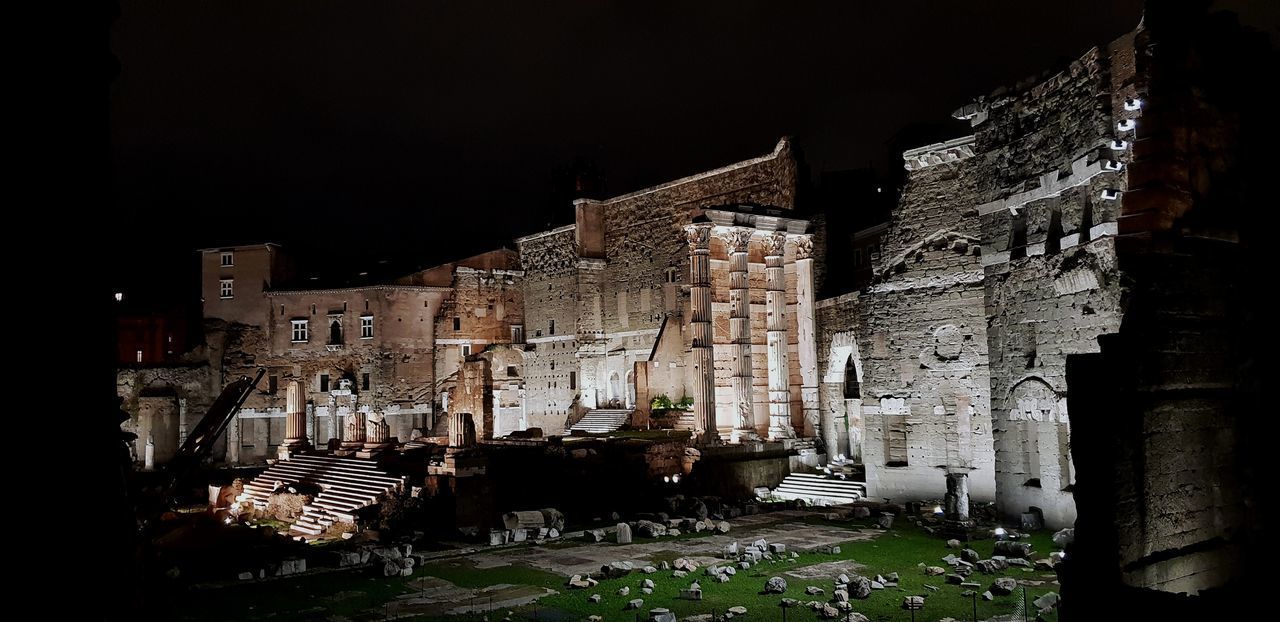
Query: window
228	259
366	327
573	380
895	440
226	289
511	371
457	323
857	258
852	390
324	383
553	365
139	356
364	381
299	331
551	330
466	350
1018	235
517	334
273	384
335	330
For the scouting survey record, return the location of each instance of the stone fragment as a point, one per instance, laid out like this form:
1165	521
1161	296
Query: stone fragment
840	596
647	583
722	527
954	544
623	535
775	585
934	571
1003	586
594	598
691	594
649	569
738	611
885	521
859	586
1009	548
814	590
678	573
777	548
1047	601
987	595
1064	537
970	556
913	602
635	603
624	590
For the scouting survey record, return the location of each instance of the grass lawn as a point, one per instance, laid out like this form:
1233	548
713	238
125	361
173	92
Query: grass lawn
359	595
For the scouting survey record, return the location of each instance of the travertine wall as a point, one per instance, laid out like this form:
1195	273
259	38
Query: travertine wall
922	338
1052	287
550	262
164	404
609	281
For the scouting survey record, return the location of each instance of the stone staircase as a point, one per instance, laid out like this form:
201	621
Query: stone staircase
346	485
602	421
818	489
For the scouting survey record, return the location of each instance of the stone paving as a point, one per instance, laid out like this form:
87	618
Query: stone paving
776	527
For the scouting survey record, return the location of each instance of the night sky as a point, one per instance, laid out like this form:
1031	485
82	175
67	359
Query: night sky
438	129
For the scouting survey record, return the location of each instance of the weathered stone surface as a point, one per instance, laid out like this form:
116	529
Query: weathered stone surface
623	535
814	590
970	556
1048	600
954	544
934	571
624	590
859	586
991	566
722	527
1003	586
1009	548
691	594
913	602
775	585
594	598
885	520
635	603
1063	537
738	611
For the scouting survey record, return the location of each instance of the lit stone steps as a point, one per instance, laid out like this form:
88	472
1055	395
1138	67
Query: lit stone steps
346	485
819	490
602	421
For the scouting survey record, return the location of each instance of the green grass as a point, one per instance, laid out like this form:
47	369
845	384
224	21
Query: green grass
359	595
900	549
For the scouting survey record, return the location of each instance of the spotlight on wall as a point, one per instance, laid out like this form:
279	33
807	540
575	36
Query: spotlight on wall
1119	145
666	478
228	520
937	509
675	479
119	296
1133	103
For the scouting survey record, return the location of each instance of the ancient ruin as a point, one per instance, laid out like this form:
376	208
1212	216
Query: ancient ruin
1021	355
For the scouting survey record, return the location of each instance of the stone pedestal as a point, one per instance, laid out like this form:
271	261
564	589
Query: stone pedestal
704	406
776	324
957	498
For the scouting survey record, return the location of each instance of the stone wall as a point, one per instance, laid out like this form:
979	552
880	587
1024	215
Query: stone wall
922	340
1052	287
164	404
552	374
840	373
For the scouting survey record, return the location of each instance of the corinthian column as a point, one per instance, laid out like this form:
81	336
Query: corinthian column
744	425
776	320
704	406
807	339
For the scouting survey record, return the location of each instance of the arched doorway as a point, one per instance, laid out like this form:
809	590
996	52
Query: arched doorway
615	387
631	389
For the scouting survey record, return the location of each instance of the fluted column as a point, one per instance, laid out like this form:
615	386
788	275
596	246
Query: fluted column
738	240
776	320
462	431
704	406
356	429
807	342
295	417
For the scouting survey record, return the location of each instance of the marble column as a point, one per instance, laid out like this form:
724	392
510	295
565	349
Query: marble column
776	325
295	417
807	338
738	239
354	435
704	392
462	431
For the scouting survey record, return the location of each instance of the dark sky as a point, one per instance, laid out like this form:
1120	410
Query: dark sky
436	129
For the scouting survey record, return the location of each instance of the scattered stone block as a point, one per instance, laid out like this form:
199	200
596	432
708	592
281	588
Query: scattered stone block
913	602
1003	586
775	585
594	598
635	604
623	535
691	594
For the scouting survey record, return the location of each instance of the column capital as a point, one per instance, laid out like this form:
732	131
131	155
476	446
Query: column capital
775	244
738	238
804	246
698	235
